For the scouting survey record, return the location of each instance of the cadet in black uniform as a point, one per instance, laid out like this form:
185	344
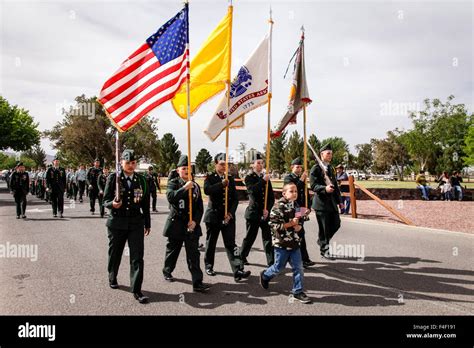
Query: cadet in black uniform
297	177
326	200
56	183
255	214
216	221
179	229
19	186
101	182
152	180
92	176
129	220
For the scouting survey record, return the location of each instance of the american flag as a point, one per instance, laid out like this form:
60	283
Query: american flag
149	76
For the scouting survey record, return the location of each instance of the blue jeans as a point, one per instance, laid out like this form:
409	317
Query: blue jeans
425	191
458	189
282	256
347	204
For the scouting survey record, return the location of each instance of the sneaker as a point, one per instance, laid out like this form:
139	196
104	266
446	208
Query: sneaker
263	282
302	297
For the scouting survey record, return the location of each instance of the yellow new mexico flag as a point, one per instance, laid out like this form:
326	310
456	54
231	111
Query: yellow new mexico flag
210	68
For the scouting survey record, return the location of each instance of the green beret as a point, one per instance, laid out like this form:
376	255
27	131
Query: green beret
183	161
128	155
297	161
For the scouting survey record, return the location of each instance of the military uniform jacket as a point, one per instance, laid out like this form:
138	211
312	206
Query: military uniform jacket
295	179
101	182
135	209
214	188
256	190
177	223
152	181
56	179
322	200
20	183
92	176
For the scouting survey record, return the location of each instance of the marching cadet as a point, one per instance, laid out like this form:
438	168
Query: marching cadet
56	184
33	176
92	176
255	214
19	186
81	177
298	177
128	221
179	229
153	184
216	220
101	182
40	184
47	193
326	200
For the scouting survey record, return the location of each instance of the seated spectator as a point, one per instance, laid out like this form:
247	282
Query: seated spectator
445	185
423	185
456	180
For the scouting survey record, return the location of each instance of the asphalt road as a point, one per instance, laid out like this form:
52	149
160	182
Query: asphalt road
393	270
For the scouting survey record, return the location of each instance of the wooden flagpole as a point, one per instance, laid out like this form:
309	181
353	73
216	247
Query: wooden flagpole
269	108
305	146
226	207
188	118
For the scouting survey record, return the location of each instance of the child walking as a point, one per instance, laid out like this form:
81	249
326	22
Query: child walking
285	225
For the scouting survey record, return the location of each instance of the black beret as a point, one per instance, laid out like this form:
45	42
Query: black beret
56	158
19	164
326	147
97	160
183	161
219	157
128	155
297	161
258	156
150	168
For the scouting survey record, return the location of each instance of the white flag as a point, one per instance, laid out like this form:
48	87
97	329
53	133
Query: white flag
248	91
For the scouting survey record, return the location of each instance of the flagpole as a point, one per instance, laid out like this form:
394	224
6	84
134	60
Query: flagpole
267	164
305	147
117	167
226	205
188	116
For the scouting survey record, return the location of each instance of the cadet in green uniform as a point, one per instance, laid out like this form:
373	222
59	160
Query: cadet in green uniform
101	182
326	200
216	221
178	229
19	186
298	177
129	221
152	181
56	184
92	176
255	214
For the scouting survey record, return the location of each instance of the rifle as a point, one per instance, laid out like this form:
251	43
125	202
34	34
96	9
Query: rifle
321	165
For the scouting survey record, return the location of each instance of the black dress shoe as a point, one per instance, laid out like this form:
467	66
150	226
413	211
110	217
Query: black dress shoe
23	216
55	215
168	277
140	297
61	215
245	262
210	271
263	282
201	287
307	264
18	216
113	284
326	255
241	274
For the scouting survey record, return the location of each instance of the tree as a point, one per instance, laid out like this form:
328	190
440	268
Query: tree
365	157
316	145
169	153
80	139
37	154
294	148
469	144
9	162
18	130
277	153
203	159
390	153
340	150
